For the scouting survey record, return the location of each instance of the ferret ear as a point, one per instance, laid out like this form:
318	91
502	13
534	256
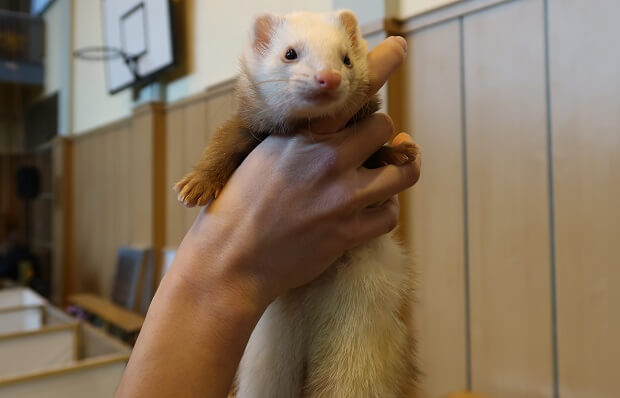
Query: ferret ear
264	27
349	21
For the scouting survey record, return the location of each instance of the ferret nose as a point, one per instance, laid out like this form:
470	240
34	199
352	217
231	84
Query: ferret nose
327	79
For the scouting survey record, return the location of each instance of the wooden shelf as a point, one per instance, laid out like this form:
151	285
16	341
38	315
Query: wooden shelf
110	312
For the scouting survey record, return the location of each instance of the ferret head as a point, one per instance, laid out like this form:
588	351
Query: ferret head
305	65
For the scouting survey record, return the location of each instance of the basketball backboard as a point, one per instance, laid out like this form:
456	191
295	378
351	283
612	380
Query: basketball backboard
142	30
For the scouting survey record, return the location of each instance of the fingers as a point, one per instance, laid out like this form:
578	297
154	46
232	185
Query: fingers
383	60
375	221
360	141
376	185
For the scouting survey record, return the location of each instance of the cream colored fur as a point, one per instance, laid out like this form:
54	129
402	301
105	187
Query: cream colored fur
340	336
276	89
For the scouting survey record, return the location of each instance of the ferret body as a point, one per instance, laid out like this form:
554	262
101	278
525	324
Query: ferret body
349	332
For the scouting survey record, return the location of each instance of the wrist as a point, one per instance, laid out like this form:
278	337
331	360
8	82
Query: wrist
213	263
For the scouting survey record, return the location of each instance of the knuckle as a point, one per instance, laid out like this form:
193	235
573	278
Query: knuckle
329	160
411	174
345	201
392	220
398	51
385	124
346	235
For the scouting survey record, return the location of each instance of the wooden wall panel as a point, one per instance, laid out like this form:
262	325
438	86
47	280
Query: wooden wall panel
585	99
175	169
95	264
84	194
508	201
103	202
102	271
435	215
124	192
60	209
116	198
78	209
194	141
190	124
109	190
159	161
141	185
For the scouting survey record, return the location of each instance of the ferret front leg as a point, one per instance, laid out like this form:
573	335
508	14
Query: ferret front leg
227	149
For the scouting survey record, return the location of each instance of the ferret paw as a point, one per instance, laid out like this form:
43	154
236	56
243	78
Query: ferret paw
195	190
398	155
401	154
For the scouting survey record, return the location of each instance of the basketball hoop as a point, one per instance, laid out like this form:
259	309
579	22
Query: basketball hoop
136	45
106	53
98	53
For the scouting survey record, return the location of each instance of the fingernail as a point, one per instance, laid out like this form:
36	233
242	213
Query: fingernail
402	42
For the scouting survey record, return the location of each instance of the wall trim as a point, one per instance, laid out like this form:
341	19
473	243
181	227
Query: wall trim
101	129
437	15
153	106
223	87
148	107
370	28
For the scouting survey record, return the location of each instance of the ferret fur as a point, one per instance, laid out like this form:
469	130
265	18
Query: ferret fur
349	332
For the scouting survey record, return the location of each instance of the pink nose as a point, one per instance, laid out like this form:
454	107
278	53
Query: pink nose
327	79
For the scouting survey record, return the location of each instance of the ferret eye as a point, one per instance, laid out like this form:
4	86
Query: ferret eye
346	60
291	54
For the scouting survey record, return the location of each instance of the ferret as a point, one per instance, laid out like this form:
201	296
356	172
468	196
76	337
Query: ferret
348	333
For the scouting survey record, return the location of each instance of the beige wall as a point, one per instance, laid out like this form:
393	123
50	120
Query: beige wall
53	46
117	195
92	105
189	124
409	8
515	221
585	93
58	60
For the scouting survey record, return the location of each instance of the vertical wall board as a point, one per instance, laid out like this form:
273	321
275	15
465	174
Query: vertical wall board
508	203
124	194
175	169
195	141
585	109
141	187
435	216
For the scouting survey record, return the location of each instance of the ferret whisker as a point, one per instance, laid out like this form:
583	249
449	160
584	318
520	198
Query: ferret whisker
271	81
279	81
309	127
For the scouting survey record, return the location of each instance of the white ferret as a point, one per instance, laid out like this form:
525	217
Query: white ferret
349	332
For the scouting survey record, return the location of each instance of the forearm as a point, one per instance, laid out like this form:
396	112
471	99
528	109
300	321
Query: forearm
195	332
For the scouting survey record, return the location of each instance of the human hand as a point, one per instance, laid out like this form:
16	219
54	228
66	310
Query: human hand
297	203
